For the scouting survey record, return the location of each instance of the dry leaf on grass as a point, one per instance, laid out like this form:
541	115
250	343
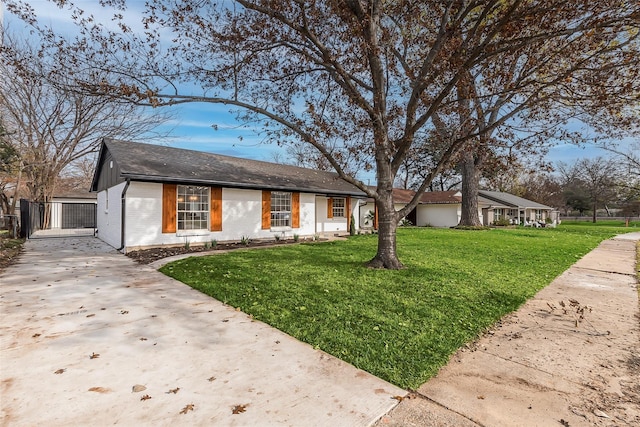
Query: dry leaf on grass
188	408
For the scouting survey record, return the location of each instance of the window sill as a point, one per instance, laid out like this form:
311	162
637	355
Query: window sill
192	233
280	229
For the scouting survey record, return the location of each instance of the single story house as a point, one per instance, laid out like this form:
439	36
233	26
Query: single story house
497	205
435	208
153	195
444	208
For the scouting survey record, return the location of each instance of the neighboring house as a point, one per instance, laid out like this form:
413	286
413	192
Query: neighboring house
443	209
152	195
435	208
73	210
496	205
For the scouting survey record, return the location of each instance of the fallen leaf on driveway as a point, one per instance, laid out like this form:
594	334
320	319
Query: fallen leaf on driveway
145	397
94	356
211	379
59	371
137	388
174	390
188	408
100	389
35	335
238	409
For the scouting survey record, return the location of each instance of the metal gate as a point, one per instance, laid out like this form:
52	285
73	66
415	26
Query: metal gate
57	219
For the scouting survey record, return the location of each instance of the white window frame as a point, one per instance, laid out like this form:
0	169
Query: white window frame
281	204
192	208
339	207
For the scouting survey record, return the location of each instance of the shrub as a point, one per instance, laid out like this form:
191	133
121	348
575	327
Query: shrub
502	222
245	240
296	238
404	222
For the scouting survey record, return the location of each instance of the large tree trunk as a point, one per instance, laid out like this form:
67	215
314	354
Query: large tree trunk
386	257
470	183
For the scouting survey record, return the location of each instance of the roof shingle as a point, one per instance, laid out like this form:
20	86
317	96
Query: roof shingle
157	163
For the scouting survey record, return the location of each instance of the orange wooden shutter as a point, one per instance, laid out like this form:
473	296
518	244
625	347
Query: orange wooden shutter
375	217
347	211
295	210
266	209
215	207
169	194
330	207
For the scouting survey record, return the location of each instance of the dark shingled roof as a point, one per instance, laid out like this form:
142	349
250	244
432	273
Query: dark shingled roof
157	163
428	197
510	200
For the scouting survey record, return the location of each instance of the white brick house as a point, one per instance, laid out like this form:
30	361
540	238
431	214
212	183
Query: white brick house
151	195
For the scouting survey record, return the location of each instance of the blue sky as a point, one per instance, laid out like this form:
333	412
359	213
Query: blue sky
193	124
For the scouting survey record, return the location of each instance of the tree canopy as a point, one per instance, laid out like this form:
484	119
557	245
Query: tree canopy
361	78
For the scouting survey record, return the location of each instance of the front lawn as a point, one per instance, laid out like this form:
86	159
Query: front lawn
401	326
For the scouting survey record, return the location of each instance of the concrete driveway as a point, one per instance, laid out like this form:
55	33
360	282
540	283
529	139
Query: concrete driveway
88	337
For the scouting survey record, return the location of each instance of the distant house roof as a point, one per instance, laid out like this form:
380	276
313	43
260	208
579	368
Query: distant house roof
429	197
157	163
508	200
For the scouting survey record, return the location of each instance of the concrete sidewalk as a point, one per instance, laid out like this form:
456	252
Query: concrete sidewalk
544	365
82	325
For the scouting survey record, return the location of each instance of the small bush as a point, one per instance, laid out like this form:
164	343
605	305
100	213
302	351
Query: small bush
296	238
187	245
352	226
214	243
245	240
502	222
404	222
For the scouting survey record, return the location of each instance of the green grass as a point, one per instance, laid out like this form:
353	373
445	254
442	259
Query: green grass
399	325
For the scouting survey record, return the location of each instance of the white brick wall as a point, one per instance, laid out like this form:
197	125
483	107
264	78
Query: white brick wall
330	225
241	216
447	215
108	215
